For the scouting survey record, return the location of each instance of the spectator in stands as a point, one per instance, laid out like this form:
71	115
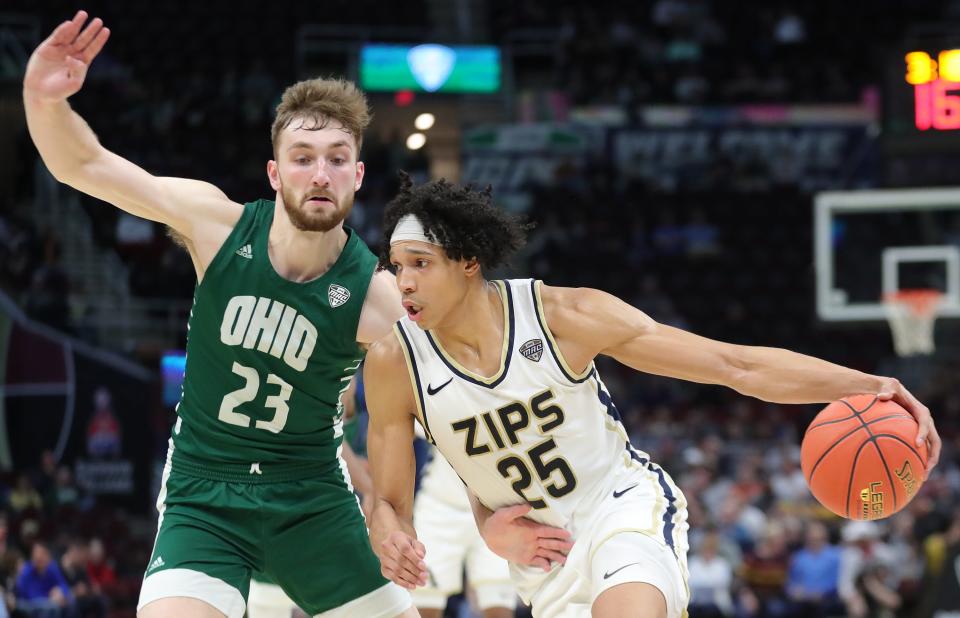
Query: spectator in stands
45	477
749	485
867	582
24	497
64	492
907	560
814	574
741	521
941	585
764	574
693	482
710	580
788	483
41	590
873	597
102	577
73	563
29	534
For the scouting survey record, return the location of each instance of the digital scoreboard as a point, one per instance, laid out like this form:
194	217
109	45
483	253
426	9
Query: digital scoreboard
936	89
921	103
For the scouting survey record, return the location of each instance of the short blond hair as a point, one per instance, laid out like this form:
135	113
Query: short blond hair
321	101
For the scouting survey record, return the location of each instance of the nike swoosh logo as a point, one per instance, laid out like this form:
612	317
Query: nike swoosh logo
617	494
612	573
433	391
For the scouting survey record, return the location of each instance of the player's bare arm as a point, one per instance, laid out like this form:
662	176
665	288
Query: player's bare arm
390	400
513	537
589	322
71	151
381	308
359	470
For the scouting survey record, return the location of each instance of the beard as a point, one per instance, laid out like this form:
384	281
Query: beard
322	221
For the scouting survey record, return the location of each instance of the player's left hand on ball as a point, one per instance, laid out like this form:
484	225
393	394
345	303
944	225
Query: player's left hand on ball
401	560
892	389
515	538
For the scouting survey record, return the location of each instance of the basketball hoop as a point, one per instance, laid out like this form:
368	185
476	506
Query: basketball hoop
911	314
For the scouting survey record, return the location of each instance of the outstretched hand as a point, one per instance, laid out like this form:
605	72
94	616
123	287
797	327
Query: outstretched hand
57	68
893	390
512	536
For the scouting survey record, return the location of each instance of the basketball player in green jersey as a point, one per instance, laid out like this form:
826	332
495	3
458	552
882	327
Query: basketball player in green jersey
286	300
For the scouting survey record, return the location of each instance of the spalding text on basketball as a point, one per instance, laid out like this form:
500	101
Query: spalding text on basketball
905	474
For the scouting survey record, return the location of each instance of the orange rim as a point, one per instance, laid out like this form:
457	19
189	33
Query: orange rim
921	302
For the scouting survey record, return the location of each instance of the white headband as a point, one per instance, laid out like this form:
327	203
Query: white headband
410	228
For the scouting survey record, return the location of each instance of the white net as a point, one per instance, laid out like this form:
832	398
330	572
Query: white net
911	315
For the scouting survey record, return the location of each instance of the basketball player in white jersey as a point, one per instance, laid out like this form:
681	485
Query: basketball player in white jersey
501	376
444	520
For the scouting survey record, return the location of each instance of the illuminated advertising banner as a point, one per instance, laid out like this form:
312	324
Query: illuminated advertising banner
430	68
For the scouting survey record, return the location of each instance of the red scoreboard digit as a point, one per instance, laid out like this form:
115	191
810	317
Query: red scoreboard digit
936	89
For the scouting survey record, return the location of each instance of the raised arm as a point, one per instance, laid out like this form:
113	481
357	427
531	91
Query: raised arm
589	322
71	151
392	465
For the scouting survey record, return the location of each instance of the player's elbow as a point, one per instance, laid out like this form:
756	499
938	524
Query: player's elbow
736	370
67	174
79	172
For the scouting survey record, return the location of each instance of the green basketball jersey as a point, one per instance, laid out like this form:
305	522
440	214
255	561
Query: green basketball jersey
268	358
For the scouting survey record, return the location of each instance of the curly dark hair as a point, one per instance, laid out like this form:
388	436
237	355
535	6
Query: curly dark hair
461	219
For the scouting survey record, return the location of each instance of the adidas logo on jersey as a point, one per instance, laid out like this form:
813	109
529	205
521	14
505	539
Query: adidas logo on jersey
532	350
245	252
337	295
156	564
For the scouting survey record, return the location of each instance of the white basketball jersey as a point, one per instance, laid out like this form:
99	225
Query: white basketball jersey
534	432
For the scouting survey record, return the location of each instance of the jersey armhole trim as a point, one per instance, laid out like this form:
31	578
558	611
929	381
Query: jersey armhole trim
363	345
569	373
219	256
408	355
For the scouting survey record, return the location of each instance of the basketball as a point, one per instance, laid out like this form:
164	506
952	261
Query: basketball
860	459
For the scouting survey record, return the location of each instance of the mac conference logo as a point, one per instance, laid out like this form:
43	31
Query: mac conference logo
532	349
431	65
337	295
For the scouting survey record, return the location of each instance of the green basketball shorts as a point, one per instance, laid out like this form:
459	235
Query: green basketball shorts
297	523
